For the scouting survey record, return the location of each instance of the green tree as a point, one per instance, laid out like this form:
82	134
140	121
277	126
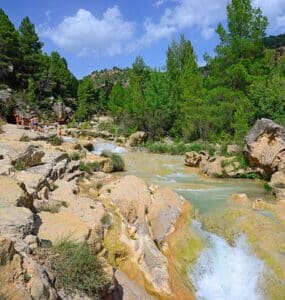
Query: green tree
30	48
117	100
9	50
86	98
31	92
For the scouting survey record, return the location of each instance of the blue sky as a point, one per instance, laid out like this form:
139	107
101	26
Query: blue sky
97	34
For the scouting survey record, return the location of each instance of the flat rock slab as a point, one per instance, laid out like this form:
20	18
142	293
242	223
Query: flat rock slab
56	227
10	193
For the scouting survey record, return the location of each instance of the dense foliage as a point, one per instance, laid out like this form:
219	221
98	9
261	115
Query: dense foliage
244	81
24	67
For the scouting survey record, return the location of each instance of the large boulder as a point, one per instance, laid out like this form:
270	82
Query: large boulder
31	157
265	146
195	159
136	138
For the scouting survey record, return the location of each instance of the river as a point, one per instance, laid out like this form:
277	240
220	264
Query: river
222	271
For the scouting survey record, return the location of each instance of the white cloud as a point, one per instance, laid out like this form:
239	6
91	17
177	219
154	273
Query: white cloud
85	34
202	15
275	11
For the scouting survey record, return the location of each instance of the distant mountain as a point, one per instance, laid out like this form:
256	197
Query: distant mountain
275	41
111	77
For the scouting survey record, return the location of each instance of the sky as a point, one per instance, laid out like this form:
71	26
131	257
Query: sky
98	34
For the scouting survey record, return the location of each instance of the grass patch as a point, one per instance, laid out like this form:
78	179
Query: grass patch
90	167
77	268
55	141
25	138
2	297
179	148
117	163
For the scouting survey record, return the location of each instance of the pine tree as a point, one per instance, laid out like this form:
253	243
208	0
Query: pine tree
31	93
30	48
9	50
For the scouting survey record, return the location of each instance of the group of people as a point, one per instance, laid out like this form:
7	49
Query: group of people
31	123
34	124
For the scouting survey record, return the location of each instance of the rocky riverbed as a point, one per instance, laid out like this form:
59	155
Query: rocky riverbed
138	223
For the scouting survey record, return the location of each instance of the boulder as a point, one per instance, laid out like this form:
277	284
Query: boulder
136	139
30	157
131	195
277	183
265	146
194	159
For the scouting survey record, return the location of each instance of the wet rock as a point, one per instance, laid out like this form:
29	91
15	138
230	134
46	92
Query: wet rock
130	290
164	213
277	183
195	159
136	139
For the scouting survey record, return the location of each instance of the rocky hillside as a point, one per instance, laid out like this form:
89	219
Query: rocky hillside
111	77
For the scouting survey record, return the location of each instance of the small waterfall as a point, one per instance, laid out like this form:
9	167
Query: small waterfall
112	147
225	272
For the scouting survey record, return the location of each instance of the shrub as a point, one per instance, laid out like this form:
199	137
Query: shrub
268	189
106	220
112	128
19	165
25	138
77	268
90	167
75	156
55	140
117	163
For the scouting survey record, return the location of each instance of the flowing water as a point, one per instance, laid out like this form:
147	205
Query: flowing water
222	271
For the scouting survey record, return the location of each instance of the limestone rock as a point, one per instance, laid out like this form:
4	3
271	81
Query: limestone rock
130	290
30	157
58	226
131	195
164	213
11	193
265	146
136	139
195	159
277	183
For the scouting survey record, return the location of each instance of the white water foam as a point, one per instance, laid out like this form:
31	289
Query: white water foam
223	272
112	147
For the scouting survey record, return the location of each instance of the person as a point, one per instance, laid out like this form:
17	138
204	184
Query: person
59	131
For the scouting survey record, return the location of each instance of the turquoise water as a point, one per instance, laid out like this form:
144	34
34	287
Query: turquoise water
206	194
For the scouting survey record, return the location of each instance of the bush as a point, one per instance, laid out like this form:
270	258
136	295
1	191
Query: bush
112	128
19	165
24	138
179	148
117	163
268	189
75	156
90	167
77	269
55	140
2	297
